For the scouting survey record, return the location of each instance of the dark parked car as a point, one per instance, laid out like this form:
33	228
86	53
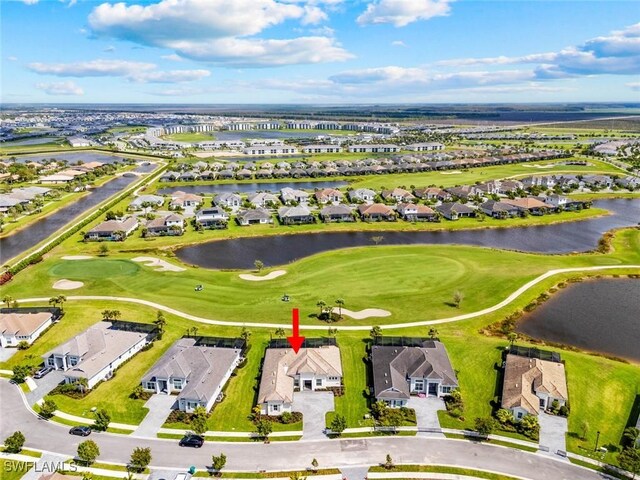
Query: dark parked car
42	372
195	441
82	431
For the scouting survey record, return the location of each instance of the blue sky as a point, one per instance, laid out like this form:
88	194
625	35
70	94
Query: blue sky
319	51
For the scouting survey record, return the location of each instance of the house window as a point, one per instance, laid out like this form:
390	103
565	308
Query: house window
446	389
275	408
419	385
318	382
519	415
177	383
51	361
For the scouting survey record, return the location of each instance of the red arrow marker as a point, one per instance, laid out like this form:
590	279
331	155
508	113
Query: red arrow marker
295	340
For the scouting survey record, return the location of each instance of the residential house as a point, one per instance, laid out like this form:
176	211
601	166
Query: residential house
24	325
167	225
376	212
402	371
433	193
196	372
112	230
284	371
98	351
169	177
398	195
228	200
417	213
455	210
328	195
321	149
191	176
290	195
212	218
510	186
254	216
529	205
337	213
531	384
464	192
372	148
500	210
295	215
425	147
182	199
153	200
263	199
362	195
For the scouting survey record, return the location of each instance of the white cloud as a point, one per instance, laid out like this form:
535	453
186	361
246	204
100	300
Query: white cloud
92	68
398	43
173	57
403	12
245	52
221	31
60	88
12	58
171	76
635	86
133	71
617	53
30	2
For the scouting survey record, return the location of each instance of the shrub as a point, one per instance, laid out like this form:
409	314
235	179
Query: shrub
88	451
23	345
102	420
140	458
47	408
14	442
564	411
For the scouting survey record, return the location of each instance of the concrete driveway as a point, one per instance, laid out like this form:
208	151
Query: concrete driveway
553	432
159	408
314	407
7	353
427	411
44	385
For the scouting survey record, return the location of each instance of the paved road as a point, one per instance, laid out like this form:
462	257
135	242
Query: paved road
420	323
48	436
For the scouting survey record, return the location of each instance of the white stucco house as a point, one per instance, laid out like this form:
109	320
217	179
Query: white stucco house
22	327
284	372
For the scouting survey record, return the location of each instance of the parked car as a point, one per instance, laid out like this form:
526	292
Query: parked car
43	371
191	440
82	431
198	288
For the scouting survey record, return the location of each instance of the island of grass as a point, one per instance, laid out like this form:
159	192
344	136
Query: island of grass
191	137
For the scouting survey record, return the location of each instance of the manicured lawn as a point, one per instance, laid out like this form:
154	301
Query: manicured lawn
353	404
189	137
444	469
485	276
14	470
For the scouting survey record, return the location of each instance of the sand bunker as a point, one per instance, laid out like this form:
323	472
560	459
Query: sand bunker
77	257
258	278
67	285
535	165
452	172
162	265
366	313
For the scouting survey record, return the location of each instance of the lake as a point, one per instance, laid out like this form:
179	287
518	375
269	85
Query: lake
240	253
601	315
31	141
249	187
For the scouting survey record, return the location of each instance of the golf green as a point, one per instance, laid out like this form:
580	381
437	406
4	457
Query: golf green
93	269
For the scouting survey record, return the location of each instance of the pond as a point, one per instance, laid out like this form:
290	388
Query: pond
601	315
567	237
28	237
249	187
31	141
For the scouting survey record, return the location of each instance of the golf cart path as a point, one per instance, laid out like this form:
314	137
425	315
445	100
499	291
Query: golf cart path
420	323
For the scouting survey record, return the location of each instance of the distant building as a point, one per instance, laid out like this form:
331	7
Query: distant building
112	230
321	149
383	148
425	147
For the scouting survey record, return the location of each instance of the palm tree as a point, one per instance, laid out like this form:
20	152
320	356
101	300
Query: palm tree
433	333
116	314
340	304
107	314
160	322
53	301
321	305
245	334
513	338
8	300
332	332
280	332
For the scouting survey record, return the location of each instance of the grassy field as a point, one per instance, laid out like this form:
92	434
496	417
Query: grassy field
14	470
190	137
484	275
